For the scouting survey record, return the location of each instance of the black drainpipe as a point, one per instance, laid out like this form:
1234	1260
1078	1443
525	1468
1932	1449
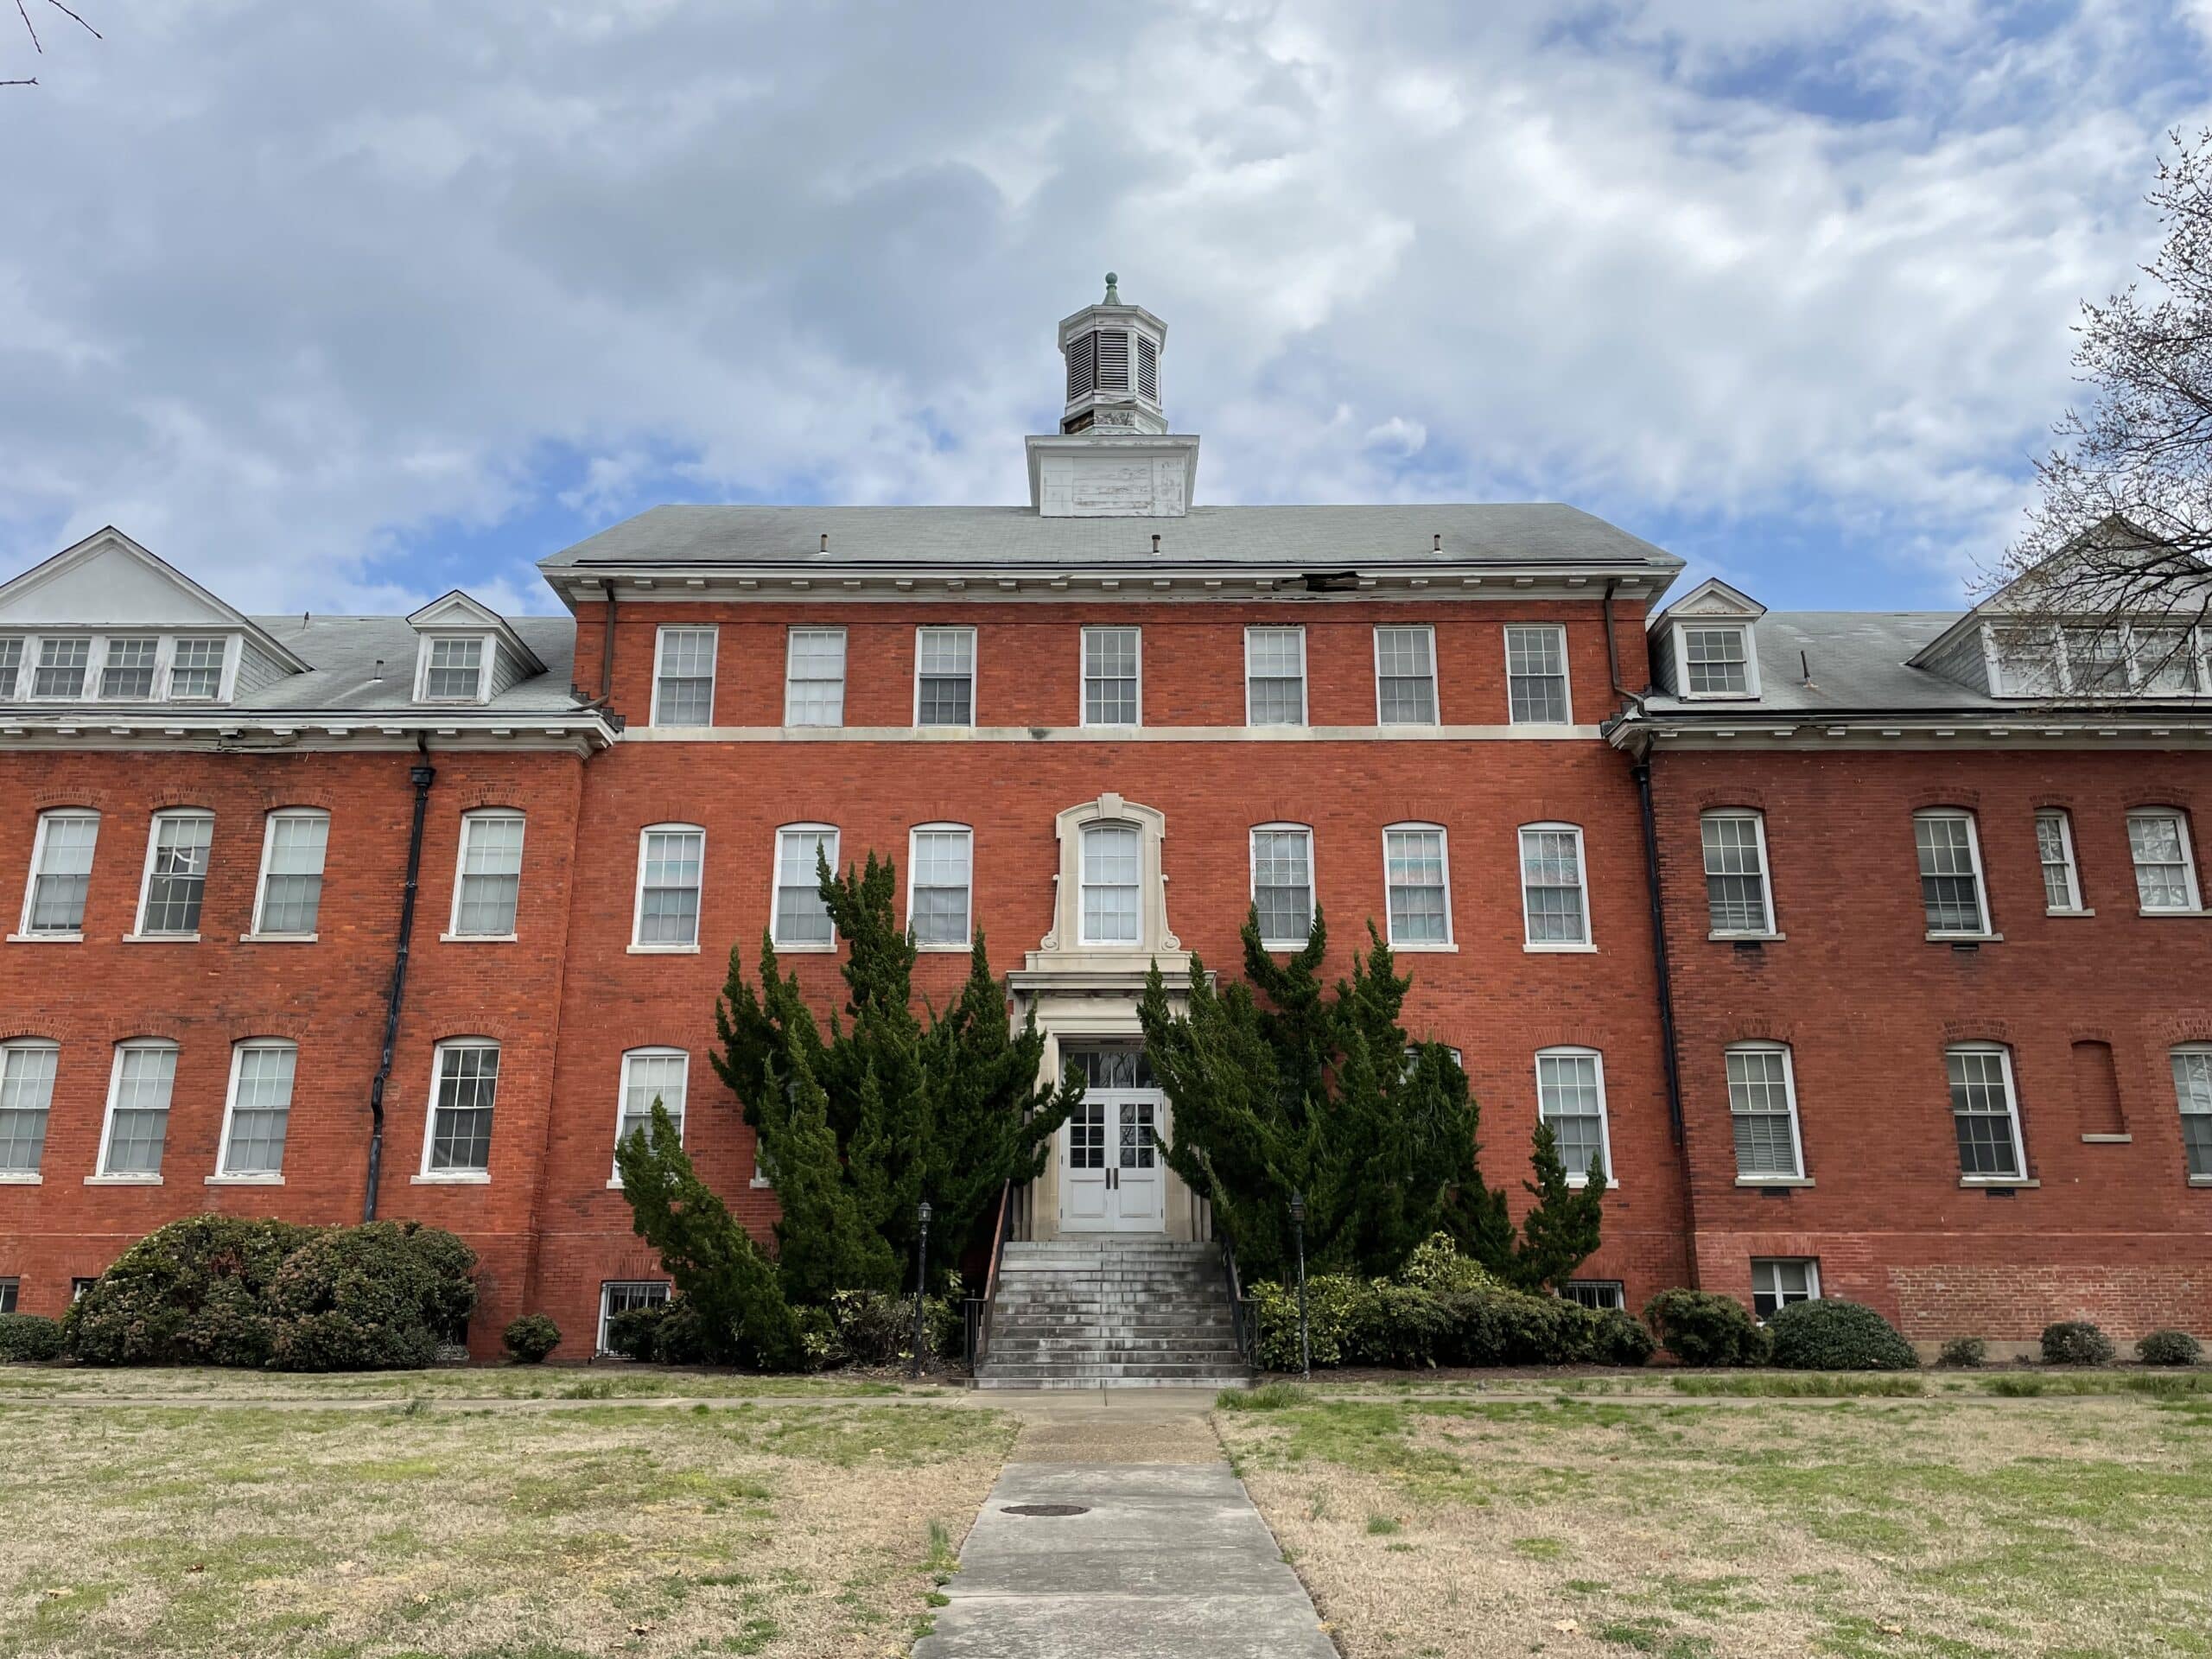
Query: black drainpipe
607	650
422	775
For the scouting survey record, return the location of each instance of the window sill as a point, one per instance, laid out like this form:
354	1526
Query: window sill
614	1183
663	950
1577	1182
2199	911
2200	1181
1747	938
161	938
256	1180
123	1181
2084	911
46	938
279	939
1446	948
2108	1139
20	1177
761	1183
1998	1181
1935	937
1774	1180
1562	949
968	949
452	1178
783	949
478	938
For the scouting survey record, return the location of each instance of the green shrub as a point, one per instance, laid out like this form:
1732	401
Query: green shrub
2170	1348
1964	1352
377	1297
530	1337
190	1293
2075	1342
868	1327
1437	1266
664	1333
1829	1334
26	1339
1400	1325
1620	1338
1334	1311
1379	1322
1701	1328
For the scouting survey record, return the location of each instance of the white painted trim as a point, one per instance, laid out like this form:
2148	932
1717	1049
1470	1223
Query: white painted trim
1526	732
1604	1105
424	1174
1435	673
639	945
101	1172
1773	929
484	666
844	670
250	1178
968	928
2196	905
1810	1263
2065	819
714	663
647	1050
1083	722
1588	942
268	846
23	932
1549	728
45	1045
1789	1098
1083	941
1987	931
975	676
1450	941
829	832
1305	677
170	814
599	1345
1680	642
475	815
1312	879
2004	1053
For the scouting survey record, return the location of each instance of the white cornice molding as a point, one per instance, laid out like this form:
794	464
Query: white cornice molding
1115	735
227	732
1953	731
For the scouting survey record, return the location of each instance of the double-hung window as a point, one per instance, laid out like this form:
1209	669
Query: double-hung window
176	874
27	1070
1763	1103
814	677
1984	1111
453	670
292	850
1110	660
61	873
2165	869
1716	660
1737	898
1282	884
127	672
1405	676
196	669
2192	1066
1535	674
139	1110
1555	907
940	878
12	666
944	676
2062	878
671	857
1113	861
1778	1281
489	883
1414	878
259	1111
62	664
801	917
650	1074
684	678
1274	676
464	1087
1571	1098
1950	873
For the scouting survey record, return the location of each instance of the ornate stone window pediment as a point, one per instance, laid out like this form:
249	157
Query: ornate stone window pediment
1109	898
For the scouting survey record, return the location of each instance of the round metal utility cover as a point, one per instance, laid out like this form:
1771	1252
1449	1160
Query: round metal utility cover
1045	1509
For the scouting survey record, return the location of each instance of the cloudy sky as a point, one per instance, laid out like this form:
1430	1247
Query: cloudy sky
339	305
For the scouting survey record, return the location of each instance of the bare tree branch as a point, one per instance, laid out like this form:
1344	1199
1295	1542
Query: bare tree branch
38	46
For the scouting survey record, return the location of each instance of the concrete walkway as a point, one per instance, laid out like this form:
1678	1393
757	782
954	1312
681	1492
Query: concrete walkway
1167	1560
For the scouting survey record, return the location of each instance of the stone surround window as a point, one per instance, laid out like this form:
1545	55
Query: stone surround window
1986	1112
670	860
2165	866
2192	1068
1112	869
1282	884
1762	1106
649	1074
259	1108
1111	677
1274	676
940	879
814	676
1571	1098
1535	674
290	899
1737	898
801	919
61	874
139	1110
464	1087
27	1070
1951	893
1555	904
1778	1281
944	676
2061	877
1405	676
488	887
176	874
683	677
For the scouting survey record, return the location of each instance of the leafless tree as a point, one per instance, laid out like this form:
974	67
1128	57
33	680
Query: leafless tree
22	11
2114	569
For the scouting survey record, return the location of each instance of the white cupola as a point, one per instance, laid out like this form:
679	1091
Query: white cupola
1113	457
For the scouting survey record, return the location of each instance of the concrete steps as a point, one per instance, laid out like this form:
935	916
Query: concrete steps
1111	1312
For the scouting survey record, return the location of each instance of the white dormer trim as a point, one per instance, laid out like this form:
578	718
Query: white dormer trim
1713	604
455	616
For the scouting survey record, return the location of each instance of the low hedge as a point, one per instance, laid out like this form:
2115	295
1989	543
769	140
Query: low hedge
2170	1348
1700	1327
223	1290
858	1328
2075	1342
532	1337
1965	1353
1829	1334
28	1338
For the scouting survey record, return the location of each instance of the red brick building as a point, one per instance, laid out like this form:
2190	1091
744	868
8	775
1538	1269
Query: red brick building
1097	728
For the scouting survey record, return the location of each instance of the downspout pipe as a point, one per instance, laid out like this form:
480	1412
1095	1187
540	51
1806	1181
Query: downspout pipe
422	775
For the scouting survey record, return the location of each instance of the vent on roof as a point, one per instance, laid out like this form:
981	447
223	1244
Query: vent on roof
1113	361
1147	369
1083	365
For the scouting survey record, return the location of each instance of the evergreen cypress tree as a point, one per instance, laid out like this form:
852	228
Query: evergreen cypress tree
1559	1233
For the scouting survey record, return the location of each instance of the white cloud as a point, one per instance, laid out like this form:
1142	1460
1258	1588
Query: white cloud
289	289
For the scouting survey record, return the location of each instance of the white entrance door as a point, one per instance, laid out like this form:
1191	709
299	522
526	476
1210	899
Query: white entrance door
1110	1175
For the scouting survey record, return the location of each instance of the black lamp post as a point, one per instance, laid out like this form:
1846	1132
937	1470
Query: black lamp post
1305	1333
921	1281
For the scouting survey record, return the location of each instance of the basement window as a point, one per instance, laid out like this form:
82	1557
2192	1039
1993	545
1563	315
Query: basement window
1776	1281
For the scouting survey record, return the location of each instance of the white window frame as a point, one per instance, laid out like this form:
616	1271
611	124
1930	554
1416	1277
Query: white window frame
2004	1053
1313	884
225	666
1435	688
844	664
713	666
105	1175
452	933
35	1175
425	1175
1083	678
1305	677
294	814
1562	1051
66	936
2174	1058
1566	671
1768	1177
1810	1263
1610	1293
975	677
87	689
223	1176
1588	943
173	815
639	945
605	1297
1768	930
2064	820
2134	673
1681	643
831	834
913	865
1450	939
1988	929
2196	905
1083	884
485	667
646	1052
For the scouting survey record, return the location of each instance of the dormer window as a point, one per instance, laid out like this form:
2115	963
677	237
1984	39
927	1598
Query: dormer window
1716	660
61	665
197	671
453	670
1704	647
2095	659
128	674
469	652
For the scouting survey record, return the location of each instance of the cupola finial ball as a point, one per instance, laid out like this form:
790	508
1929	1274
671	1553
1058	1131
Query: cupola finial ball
1113	296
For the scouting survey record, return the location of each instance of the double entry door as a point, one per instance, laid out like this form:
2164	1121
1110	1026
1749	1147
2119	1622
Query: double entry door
1111	1180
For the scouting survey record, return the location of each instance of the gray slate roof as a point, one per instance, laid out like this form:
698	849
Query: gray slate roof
1858	663
344	651
1326	538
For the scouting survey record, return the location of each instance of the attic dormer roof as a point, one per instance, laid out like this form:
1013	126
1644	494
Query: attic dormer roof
459	613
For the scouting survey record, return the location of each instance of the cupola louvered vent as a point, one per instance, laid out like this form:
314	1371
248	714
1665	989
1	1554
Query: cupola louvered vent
1147	369
1113	361
1083	365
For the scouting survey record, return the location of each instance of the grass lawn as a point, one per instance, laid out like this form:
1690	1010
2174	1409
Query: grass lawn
763	1527
1952	1524
614	1382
